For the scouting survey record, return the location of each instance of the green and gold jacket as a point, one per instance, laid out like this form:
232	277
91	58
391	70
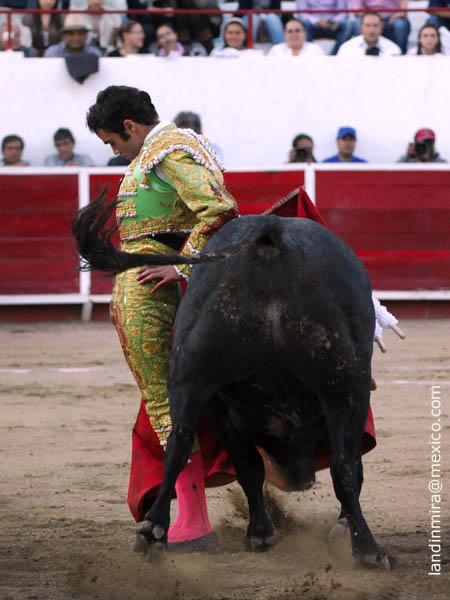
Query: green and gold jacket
174	185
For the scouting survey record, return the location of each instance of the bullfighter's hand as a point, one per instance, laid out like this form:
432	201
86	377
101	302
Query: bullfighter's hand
167	274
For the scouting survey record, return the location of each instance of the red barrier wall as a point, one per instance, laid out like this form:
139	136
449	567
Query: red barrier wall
398	222
37	253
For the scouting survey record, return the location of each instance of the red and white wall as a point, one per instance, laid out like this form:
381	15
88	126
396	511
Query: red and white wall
396	218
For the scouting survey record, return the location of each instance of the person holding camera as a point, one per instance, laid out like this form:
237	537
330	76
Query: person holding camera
370	42
422	149
302	149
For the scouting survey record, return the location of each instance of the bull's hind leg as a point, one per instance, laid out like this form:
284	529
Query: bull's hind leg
249	468
346	425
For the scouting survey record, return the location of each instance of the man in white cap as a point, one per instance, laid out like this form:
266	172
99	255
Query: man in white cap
74	39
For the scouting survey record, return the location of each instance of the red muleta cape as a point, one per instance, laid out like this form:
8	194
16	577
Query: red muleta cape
147	458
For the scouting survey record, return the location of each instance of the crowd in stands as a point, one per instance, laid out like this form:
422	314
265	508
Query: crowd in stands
118	35
421	149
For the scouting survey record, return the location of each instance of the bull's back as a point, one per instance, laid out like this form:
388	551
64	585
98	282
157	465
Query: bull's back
287	286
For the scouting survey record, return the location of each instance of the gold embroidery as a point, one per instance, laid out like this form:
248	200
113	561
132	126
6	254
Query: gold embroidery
128	187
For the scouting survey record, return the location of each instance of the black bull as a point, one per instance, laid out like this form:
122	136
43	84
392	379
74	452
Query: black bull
272	343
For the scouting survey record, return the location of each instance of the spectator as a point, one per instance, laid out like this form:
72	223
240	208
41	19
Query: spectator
396	25
234	39
370	42
296	44
440	19
130	36
346	142
17	46
302	149
429	41
167	44
153	17
75	34
190	120
12	150
422	149
335	26
118	161
46	29
66	157
271	21
101	26
200	28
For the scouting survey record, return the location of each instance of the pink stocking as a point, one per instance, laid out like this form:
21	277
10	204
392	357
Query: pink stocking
192	519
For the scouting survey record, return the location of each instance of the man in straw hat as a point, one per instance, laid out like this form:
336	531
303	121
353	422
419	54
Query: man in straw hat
74	39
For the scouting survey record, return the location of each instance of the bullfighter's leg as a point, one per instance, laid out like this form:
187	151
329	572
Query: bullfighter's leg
189	405
346	425
144	323
250	474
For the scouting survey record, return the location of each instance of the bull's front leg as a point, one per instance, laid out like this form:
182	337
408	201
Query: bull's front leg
156	522
346	425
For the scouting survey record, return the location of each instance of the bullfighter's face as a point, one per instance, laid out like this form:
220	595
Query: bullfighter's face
128	148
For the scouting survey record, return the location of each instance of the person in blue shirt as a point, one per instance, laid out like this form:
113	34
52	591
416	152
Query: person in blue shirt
346	142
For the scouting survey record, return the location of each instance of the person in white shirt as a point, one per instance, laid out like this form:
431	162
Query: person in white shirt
296	44
370	42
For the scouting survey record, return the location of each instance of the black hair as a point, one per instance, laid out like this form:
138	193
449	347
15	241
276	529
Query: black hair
165	24
292	18
12	138
116	103
63	134
374	14
301	136
438	47
188	119
118	32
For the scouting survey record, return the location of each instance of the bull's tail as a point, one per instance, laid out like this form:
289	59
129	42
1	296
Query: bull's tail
267	245
98	252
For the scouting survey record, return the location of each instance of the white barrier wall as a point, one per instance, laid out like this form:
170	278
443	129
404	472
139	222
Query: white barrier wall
251	107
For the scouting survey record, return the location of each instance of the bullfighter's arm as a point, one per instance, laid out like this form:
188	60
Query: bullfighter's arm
204	193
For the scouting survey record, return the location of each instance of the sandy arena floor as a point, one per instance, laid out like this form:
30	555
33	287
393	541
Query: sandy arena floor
67	406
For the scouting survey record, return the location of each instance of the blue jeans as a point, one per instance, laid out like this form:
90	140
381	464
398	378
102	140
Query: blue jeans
272	23
439	22
397	32
341	34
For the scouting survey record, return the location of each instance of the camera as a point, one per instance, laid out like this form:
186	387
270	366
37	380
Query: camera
374	51
303	154
421	148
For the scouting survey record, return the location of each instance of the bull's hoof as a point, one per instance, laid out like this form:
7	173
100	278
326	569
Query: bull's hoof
261	543
151	540
378	561
339	531
140	544
207	543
